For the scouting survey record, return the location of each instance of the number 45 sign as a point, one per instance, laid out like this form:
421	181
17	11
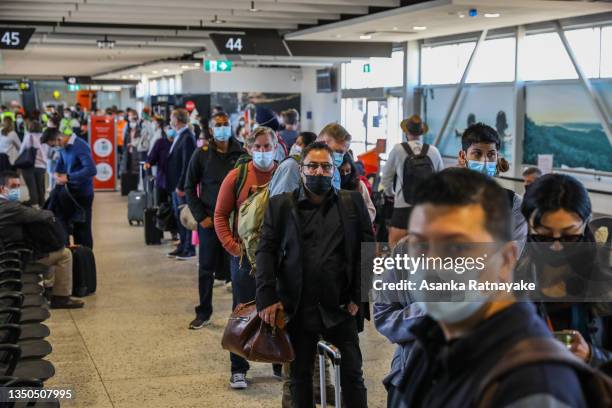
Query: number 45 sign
12	38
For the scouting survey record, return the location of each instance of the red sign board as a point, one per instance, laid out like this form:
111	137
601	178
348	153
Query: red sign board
102	137
189	105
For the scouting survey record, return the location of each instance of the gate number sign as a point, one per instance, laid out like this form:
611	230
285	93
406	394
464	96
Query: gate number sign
12	38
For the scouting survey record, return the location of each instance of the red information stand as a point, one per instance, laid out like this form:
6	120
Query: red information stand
103	142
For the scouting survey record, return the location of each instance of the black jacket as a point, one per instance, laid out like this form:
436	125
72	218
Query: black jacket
448	374
178	160
14	216
207	169
279	254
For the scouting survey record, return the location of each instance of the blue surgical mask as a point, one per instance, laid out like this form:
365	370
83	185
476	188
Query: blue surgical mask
222	133
488	168
451	312
14	194
263	160
338	159
171	133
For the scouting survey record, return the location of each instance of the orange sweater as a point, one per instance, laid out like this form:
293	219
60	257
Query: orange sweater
227	202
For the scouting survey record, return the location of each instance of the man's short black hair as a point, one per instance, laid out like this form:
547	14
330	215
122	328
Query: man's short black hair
50	133
479	133
308	137
6	175
459	187
316	146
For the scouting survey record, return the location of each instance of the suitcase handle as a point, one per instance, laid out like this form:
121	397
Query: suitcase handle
327	349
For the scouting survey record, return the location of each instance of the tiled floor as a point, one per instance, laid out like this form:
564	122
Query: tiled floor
130	346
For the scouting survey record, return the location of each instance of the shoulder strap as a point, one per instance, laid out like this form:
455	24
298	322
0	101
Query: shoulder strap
530	351
241	178
408	149
424	150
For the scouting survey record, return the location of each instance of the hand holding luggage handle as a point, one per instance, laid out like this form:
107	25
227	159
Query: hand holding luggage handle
327	349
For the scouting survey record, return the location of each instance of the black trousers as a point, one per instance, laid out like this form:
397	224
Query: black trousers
344	336
35	180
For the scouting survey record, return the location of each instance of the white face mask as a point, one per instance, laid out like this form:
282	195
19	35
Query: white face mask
295	150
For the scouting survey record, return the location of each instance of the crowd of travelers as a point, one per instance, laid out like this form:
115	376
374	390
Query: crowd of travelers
313	208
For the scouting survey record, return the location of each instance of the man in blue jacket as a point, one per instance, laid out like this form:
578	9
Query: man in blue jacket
181	151
75	170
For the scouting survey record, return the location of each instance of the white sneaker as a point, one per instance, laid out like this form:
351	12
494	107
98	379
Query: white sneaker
228	286
238	381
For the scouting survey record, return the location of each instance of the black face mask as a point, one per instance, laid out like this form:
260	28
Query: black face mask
345	181
318	185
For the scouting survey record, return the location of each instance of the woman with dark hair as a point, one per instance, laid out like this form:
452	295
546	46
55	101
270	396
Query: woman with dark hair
562	258
350	180
158	156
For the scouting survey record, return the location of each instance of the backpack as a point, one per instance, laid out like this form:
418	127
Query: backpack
596	386
46	236
250	220
416	168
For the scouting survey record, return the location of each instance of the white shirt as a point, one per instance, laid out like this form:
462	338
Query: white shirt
10	145
33	140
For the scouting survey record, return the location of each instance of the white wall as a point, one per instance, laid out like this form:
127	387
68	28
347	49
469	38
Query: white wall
125	99
244	79
325	107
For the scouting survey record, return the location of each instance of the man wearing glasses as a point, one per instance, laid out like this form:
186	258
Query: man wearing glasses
308	266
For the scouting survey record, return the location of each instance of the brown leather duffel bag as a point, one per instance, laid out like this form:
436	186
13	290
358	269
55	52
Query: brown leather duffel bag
250	337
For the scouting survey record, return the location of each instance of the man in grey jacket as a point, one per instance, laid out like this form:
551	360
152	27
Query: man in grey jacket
14	218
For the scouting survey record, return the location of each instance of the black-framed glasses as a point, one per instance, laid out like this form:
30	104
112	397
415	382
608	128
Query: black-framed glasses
327	167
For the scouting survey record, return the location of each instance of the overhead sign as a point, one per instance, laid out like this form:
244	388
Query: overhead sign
190	105
10	85
103	141
12	38
217	66
367	68
74	80
74	88
252	42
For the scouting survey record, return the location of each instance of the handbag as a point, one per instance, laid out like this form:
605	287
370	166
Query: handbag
186	218
27	157
165	217
248	336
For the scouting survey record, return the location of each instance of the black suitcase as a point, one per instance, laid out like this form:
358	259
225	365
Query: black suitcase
137	202
84	280
129	182
153	235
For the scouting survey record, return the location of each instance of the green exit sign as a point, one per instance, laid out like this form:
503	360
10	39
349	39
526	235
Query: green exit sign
217	66
367	68
74	88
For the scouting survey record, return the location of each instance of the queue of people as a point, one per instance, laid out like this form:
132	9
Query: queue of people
320	206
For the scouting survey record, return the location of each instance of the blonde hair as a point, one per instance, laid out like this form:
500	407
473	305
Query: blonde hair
250	139
181	115
336	132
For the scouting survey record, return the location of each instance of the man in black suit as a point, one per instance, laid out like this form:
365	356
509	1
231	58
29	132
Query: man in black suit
178	163
308	265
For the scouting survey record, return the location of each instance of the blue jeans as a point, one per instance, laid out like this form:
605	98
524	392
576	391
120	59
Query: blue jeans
214	262
243	291
184	233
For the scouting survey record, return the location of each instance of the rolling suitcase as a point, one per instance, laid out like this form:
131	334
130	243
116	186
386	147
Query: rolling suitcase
129	182
84	281
137	201
327	349
153	235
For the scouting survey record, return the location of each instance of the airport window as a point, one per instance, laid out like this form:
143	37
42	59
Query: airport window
606	52
374	72
444	64
495	61
545	58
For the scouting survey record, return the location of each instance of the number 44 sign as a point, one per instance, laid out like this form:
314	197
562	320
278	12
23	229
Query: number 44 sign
12	38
